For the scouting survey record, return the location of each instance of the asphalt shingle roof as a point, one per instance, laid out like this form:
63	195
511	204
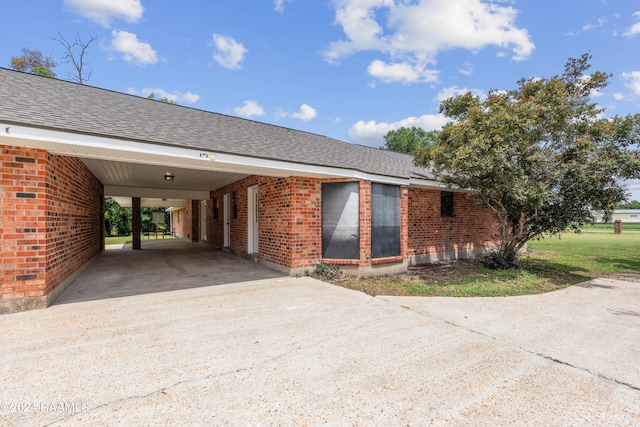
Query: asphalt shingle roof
37	101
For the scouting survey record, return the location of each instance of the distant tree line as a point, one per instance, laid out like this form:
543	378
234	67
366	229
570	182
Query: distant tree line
634	204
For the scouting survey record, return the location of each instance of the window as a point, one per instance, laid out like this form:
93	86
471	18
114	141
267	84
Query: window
216	208
341	220
385	220
446	204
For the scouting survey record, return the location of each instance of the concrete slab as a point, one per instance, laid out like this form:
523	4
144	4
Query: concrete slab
160	266
593	326
282	351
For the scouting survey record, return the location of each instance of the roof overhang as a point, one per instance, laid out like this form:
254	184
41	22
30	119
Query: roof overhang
114	150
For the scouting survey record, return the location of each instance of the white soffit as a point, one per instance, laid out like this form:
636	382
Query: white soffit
125	174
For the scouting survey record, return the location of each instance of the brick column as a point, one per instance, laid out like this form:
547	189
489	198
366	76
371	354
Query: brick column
617	226
365	223
195	221
102	223
135	222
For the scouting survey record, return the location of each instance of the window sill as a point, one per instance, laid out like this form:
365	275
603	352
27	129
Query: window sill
387	260
340	261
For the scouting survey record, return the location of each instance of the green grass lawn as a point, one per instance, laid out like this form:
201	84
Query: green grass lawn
590	253
550	264
117	240
128	239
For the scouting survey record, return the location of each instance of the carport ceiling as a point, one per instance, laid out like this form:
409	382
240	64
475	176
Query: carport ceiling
122	174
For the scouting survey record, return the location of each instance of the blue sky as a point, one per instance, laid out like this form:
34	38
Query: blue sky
348	69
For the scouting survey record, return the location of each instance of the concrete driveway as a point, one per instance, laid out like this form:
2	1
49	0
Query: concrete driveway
287	351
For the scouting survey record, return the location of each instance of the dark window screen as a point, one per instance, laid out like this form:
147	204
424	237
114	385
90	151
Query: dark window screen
385	220
341	220
446	204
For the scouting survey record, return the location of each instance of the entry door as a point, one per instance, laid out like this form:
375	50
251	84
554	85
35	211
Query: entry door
203	220
252	238
226	216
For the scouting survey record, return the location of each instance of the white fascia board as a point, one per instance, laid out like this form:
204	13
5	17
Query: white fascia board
155	193
80	145
301	169
427	183
437	185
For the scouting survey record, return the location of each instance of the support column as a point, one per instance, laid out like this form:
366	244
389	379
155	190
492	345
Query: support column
135	222
617	226
195	221
102	222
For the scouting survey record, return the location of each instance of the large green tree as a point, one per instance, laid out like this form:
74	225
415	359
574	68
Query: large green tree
542	156
117	220
34	62
408	140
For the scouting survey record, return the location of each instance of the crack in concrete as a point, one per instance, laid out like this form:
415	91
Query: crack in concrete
169	387
526	350
535	353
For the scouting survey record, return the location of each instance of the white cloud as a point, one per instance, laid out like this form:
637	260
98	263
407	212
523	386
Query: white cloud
403	72
618	96
305	114
132	49
176	96
249	109
279	5
633	79
601	21
104	11
453	91
372	133
416	32
634	29
466	69
229	53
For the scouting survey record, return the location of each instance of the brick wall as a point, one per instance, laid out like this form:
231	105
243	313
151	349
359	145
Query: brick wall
75	200
306	221
290	225
178	222
290	222
51	223
285	217
432	238
23	223
182	221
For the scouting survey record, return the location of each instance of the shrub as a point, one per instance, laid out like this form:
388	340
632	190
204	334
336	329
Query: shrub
326	271
495	260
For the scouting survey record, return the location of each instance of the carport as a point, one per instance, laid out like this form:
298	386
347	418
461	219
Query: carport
162	265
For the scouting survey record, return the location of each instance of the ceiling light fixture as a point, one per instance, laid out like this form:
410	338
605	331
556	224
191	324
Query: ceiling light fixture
168	176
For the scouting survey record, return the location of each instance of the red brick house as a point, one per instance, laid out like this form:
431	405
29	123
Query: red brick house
286	198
